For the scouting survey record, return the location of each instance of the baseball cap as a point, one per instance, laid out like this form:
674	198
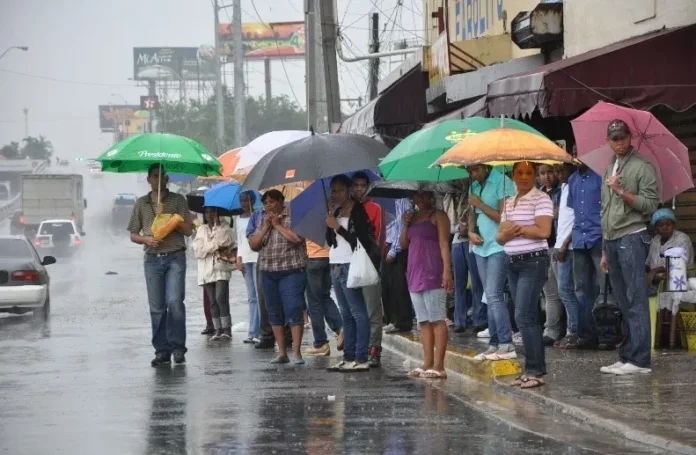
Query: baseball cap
618	128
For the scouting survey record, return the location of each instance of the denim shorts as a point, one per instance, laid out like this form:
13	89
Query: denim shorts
430	306
284	293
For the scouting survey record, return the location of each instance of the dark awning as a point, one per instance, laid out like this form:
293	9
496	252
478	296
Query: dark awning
393	115
658	68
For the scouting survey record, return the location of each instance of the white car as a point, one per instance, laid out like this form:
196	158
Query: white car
24	281
58	237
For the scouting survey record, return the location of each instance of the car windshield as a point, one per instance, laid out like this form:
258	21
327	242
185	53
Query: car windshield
14	249
125	200
57	228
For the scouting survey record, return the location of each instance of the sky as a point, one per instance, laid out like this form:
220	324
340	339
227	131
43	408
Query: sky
81	55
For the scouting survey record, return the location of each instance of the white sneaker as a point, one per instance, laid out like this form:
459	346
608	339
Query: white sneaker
483	334
611	369
482	356
517	338
629	368
502	354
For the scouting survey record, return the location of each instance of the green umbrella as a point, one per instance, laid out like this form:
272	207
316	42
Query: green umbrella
412	157
176	153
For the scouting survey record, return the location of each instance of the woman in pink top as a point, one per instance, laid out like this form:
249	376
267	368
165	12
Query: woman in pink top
525	226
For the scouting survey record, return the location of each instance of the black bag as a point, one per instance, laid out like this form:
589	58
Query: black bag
606	313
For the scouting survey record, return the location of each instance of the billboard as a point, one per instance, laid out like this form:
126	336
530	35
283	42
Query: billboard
127	118
174	63
260	41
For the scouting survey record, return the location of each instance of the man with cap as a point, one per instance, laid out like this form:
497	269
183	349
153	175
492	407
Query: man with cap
629	197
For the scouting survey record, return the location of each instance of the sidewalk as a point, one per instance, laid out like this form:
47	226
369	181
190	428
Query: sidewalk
655	409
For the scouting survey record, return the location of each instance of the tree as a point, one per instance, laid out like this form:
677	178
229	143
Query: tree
11	151
37	148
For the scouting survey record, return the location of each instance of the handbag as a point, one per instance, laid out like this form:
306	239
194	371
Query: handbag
362	272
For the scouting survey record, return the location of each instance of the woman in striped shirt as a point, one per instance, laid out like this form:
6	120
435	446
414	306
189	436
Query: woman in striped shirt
525	226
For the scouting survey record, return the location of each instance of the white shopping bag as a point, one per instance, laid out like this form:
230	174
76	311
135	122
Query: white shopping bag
362	272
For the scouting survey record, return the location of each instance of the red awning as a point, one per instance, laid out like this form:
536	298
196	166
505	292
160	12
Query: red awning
642	72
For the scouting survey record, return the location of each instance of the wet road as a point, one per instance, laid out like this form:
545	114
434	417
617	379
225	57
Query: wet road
81	383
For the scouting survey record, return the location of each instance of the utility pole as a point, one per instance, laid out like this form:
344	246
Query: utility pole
329	34
219	99
310	64
374	63
267	80
152	91
25	111
239	98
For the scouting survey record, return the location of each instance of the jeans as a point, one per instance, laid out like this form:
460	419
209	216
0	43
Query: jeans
553	327
252	298
219	295
165	278
463	265
526	280
589	277
566	289
319	302
356	323
626	260
493	273
373	300
284	293
265	329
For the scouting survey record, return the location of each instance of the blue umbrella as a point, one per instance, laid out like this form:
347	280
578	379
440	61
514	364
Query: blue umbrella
308	210
226	195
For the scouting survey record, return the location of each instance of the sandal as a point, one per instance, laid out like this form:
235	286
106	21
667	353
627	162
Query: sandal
434	374
417	373
519	380
532	383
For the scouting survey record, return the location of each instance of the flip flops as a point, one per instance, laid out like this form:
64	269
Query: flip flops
526	382
415	373
434	374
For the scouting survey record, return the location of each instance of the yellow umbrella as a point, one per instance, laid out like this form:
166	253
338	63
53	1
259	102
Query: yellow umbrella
503	146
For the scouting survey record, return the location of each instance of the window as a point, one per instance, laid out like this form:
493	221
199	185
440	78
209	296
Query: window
14	249
57	228
79	190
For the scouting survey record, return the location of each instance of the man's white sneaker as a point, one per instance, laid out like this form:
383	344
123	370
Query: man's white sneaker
483	334
482	356
629	368
611	369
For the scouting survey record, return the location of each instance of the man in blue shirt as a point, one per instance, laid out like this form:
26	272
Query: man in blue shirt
585	198
396	299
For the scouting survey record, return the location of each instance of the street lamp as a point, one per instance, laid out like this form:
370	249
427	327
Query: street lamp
125	103
21	48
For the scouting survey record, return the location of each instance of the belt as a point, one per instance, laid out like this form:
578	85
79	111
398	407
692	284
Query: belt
525	256
164	255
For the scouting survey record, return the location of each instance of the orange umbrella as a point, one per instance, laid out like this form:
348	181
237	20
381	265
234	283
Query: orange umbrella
503	146
229	161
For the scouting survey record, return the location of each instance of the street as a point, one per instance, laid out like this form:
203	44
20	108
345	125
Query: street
82	383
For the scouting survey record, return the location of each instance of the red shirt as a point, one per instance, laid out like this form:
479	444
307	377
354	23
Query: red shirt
374	213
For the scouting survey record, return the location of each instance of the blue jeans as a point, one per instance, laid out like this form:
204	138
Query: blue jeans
284	294
566	290
356	322
589	278
527	278
626	259
252	298
319	302
493	273
463	264
165	278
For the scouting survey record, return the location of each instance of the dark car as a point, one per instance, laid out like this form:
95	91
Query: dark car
121	210
24	281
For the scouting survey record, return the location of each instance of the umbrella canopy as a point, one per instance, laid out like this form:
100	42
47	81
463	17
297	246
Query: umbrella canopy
229	161
226	195
411	158
176	153
264	144
196	204
504	146
399	189
650	138
316	157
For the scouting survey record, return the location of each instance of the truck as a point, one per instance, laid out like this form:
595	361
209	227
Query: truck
51	196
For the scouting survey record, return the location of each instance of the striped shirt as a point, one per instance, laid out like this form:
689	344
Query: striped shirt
530	206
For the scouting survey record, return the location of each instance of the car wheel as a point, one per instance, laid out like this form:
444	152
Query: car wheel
45	311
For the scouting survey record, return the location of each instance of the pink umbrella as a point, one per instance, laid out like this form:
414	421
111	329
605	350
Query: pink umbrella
649	137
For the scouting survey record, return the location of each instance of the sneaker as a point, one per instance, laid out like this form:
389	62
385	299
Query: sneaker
179	358
517	338
161	359
570	341
482	356
374	359
611	369
460	329
337	366
502	354
606	347
217	336
629	368
483	334
321	350
268	343
208	331
249	340
226	334
339	340
548	341
355	367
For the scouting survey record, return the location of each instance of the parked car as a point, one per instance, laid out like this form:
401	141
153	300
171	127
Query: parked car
58	237
121	210
24	281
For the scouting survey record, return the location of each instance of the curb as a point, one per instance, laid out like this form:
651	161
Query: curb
458	360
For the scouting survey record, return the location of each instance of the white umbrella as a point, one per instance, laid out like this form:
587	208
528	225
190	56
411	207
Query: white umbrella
262	145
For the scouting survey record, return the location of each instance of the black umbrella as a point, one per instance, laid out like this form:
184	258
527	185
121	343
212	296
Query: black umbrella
399	189
315	157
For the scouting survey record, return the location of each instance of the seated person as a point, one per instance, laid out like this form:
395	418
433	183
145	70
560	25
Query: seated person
666	237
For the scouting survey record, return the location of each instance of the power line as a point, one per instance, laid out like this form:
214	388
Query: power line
65	81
